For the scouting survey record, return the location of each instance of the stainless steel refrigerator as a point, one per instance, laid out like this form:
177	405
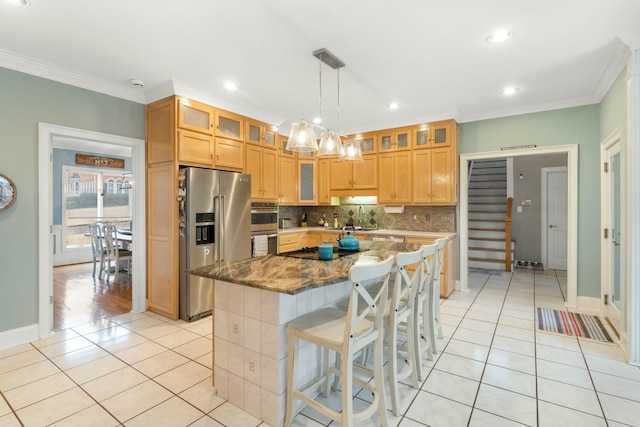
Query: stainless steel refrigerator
215	225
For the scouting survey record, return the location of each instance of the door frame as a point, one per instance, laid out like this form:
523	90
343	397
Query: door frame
572	210
544	254
605	244
54	136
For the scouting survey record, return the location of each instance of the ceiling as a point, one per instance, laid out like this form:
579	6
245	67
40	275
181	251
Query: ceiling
431	57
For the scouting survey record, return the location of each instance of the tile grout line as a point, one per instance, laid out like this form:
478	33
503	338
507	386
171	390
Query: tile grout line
127	365
486	362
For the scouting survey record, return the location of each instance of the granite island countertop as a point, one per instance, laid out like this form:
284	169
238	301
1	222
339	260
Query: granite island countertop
293	275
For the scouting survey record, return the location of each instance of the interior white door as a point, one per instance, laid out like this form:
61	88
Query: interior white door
612	238
556	217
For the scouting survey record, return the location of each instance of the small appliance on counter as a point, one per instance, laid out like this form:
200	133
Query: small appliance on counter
285	223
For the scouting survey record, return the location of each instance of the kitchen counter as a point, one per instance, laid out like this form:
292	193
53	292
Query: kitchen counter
378	232
293	275
253	301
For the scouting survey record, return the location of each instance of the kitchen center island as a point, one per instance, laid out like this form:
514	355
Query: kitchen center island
254	299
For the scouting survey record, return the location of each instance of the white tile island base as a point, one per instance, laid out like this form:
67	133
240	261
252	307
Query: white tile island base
250	344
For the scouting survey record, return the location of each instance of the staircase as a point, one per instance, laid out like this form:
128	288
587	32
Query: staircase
488	208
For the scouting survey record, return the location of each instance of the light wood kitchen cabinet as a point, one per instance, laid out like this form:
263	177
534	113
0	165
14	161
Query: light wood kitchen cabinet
398	139
229	155
435	135
324	181
260	133
262	164
307	181
288	242
287	174
229	125
448	272
433	177
195	148
368	142
355	178
161	131
394	182
195	116
162	240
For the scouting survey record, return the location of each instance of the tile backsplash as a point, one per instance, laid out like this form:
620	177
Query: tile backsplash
427	218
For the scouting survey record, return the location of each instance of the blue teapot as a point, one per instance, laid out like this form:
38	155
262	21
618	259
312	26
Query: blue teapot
325	252
348	242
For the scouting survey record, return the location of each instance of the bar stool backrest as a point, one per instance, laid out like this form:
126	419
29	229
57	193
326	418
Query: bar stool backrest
375	304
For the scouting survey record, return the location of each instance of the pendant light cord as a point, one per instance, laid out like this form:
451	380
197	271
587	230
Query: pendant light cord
338	103
320	85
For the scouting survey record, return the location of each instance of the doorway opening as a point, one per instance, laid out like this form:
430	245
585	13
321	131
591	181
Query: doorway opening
53	136
571	152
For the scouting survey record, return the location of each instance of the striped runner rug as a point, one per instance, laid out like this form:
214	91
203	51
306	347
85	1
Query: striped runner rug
574	324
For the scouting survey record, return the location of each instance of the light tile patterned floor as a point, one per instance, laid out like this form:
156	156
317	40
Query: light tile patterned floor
493	369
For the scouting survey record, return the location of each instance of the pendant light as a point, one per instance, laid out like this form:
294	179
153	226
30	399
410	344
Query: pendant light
351	151
302	137
330	142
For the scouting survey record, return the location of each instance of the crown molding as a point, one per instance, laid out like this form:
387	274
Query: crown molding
578	101
617	63
37	68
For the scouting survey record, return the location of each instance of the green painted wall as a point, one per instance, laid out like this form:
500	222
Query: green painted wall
25	101
613	109
579	126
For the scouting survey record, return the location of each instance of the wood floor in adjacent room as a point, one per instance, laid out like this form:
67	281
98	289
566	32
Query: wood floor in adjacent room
80	298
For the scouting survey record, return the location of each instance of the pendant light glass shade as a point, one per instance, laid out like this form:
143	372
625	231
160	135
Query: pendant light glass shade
330	145
302	137
351	151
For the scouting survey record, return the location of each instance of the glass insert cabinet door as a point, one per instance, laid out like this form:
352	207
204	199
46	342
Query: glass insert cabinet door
308	181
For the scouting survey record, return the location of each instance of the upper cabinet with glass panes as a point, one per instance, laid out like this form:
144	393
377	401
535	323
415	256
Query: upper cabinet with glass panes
368	142
229	125
195	116
433	135
260	133
398	139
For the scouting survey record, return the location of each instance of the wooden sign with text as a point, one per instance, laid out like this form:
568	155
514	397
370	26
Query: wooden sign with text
105	162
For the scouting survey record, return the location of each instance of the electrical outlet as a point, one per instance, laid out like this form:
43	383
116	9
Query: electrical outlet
235	328
415	217
252	367
428	217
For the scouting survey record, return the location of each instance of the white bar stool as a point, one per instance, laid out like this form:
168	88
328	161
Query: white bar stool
345	333
435	318
424	309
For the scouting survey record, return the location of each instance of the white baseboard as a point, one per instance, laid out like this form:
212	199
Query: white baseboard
19	336
587	305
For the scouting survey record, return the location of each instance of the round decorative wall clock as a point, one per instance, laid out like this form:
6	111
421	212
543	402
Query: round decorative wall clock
8	192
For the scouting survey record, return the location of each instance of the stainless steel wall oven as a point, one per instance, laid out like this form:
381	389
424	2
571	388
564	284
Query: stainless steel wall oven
264	222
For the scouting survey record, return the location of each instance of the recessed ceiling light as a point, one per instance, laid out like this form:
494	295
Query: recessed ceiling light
18	2
393	106
317	120
510	91
499	36
230	86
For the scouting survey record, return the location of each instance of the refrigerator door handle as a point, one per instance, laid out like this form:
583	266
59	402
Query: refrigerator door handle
221	215
217	227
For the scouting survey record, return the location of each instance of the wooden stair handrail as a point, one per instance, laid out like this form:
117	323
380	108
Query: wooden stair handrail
507	235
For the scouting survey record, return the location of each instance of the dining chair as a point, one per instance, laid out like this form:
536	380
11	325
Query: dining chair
113	252
97	246
345	334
